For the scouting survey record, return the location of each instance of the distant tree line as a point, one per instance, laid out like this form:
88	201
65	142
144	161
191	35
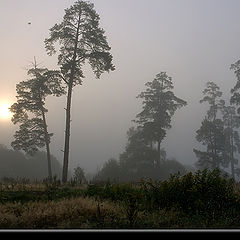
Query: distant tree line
17	165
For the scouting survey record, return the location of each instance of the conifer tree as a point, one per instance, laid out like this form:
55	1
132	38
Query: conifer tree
211	131
212	136
30	111
232	141
81	40
138	154
159	106
235	98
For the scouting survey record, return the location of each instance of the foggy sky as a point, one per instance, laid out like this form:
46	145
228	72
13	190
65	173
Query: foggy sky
194	41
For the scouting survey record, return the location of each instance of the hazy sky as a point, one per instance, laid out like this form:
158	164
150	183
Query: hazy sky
194	41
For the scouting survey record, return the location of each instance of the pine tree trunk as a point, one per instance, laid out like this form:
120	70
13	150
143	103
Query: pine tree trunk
232	157
67	134
215	159
47	147
68	109
159	154
46	136
232	169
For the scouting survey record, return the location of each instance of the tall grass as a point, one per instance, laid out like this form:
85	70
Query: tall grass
205	199
67	213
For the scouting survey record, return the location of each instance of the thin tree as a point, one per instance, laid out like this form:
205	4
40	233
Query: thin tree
159	105
30	111
81	39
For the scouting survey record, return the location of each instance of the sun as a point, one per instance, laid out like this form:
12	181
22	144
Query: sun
5	113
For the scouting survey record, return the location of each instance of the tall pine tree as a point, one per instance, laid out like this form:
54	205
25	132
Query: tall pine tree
81	40
159	105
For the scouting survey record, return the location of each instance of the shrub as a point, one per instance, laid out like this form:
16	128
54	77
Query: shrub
207	193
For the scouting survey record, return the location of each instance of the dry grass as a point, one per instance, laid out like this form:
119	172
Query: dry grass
68	213
22	187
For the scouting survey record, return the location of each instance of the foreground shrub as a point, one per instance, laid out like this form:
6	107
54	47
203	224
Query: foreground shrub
207	193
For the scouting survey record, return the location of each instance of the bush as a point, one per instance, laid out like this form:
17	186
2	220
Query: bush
207	193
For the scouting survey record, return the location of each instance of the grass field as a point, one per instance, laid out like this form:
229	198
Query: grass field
205	200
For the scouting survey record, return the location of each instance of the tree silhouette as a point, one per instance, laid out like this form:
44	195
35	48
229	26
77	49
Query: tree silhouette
212	95
235	98
159	105
232	141
30	111
79	175
81	39
211	132
212	136
109	172
138	159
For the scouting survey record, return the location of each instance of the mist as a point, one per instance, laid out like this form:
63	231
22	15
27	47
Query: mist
193	41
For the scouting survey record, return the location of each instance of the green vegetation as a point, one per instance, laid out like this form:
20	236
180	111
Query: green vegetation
206	199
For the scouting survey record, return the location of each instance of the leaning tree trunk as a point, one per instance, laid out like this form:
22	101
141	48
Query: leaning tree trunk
46	135
47	142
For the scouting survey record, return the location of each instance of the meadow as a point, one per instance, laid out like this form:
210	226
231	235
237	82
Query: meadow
201	200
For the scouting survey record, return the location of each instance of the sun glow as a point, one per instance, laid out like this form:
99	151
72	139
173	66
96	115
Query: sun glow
5	113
